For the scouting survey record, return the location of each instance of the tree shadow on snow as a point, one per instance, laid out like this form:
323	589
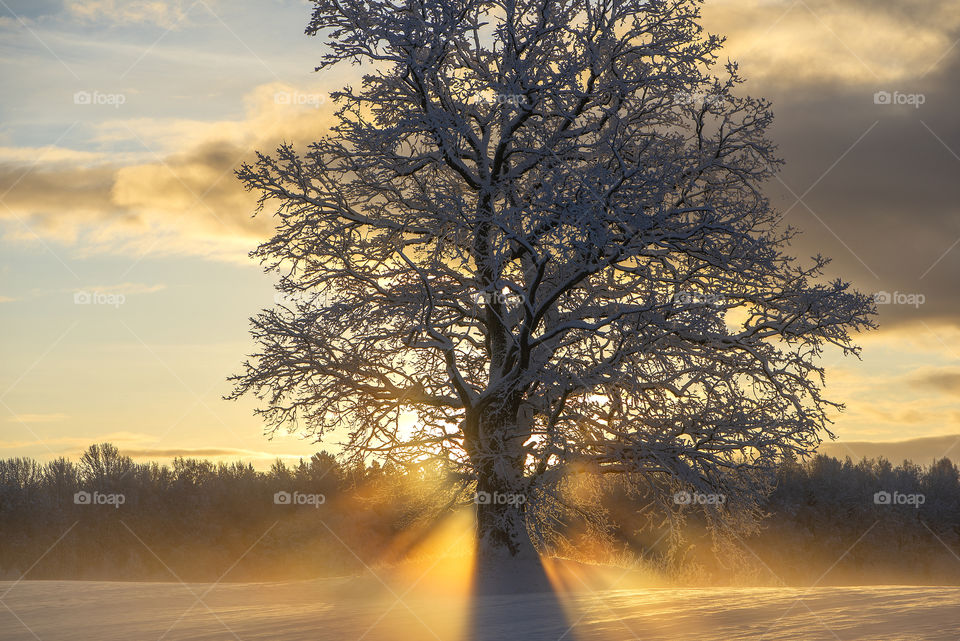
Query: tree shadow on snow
515	601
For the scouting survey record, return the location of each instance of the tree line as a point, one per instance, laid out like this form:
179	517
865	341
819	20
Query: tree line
107	517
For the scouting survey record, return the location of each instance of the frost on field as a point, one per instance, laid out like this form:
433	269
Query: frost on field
320	611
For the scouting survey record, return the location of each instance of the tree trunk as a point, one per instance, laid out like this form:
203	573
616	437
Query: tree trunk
501	523
506	561
500	499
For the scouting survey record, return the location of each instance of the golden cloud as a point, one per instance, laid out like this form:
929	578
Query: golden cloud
179	197
856	41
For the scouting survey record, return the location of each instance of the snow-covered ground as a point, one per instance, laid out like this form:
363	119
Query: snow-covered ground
367	610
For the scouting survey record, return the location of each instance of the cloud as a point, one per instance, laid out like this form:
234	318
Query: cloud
183	200
37	418
858	41
168	14
901	385
878	189
123	288
946	381
871	185
922	451
28	9
203	452
78	444
135	445
27	156
876	182
933	340
141	451
37	196
897	415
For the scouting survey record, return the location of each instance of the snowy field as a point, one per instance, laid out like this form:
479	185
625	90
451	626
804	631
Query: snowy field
361	610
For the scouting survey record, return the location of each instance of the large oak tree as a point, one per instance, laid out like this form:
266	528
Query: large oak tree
537	226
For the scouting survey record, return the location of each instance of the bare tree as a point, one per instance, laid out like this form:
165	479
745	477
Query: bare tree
102	464
538	229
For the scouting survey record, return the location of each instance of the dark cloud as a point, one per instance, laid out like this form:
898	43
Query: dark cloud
886	208
882	178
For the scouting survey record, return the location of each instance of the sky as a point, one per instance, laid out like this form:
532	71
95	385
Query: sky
125	286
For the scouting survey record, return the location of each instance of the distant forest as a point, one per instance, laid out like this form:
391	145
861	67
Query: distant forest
827	522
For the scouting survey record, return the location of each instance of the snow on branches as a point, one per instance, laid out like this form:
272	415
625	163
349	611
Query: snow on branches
538	228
